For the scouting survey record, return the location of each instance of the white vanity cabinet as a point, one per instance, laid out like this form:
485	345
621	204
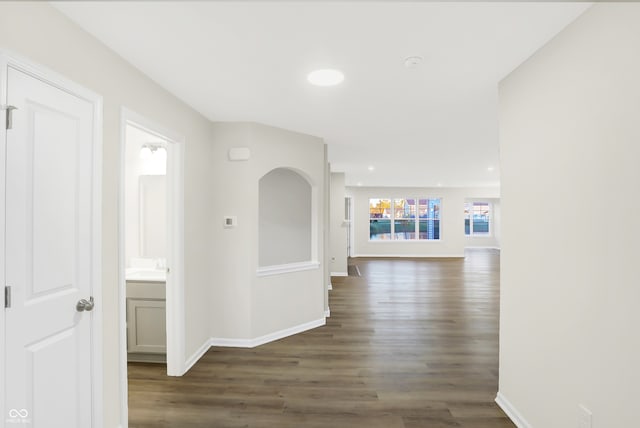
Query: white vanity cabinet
146	321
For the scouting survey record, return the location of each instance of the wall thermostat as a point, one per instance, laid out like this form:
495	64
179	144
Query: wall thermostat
230	221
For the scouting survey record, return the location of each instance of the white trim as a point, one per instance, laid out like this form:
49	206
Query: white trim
511	411
287	268
271	337
122	286
250	343
471	247
327	313
330	287
62	83
197	355
423	256
175	257
3	164
339	273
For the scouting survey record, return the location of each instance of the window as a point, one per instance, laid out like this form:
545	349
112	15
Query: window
477	218
379	219
404	219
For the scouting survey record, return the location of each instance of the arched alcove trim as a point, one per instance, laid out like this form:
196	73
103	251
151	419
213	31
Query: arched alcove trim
310	263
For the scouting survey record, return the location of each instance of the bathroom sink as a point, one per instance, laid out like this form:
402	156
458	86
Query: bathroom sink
137	274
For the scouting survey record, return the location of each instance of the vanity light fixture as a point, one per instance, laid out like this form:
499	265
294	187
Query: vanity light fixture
148	150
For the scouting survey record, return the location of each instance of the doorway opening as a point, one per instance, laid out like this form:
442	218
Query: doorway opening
348	218
151	230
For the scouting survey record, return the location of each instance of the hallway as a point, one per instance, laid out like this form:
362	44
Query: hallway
410	343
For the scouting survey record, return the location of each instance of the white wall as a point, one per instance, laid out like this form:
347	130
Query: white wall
570	149
246	305
452	239
492	240
338	230
37	31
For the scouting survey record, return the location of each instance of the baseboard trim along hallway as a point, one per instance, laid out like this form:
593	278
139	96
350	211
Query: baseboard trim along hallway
252	343
511	411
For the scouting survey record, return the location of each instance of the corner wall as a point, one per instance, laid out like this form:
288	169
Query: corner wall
244	304
338	230
452	239
570	147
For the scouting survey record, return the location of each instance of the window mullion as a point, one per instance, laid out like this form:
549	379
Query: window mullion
393	219
416	217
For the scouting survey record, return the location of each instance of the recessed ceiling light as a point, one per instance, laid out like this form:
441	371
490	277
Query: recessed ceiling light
325	77
370	167
359	184
490	169
439	184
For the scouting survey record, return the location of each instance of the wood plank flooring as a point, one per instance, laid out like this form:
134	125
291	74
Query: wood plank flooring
411	343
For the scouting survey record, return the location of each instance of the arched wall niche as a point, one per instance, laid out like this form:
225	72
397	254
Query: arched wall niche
287	225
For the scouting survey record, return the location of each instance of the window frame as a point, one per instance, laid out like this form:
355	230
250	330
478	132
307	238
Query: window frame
416	219
472	233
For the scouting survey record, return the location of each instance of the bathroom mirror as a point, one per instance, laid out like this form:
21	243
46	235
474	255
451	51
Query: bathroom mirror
153	216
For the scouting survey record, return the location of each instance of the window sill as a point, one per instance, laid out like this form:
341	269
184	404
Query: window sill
396	241
286	268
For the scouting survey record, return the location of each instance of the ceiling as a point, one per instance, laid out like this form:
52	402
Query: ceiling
432	125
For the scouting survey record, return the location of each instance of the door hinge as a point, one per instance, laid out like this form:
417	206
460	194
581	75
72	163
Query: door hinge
9	116
7	297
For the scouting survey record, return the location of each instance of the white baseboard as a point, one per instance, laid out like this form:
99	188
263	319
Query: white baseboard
339	273
472	247
196	356
327	313
511	411
422	256
252	343
230	343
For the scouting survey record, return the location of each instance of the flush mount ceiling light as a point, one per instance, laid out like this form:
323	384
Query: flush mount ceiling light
371	168
325	77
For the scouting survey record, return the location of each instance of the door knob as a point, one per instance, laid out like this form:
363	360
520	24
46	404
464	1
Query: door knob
84	305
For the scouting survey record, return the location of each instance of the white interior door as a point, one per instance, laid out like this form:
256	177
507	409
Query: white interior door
49	260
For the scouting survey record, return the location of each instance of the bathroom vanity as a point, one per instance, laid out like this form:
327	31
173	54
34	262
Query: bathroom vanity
146	315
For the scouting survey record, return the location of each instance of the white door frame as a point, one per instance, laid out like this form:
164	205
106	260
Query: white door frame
175	247
10	60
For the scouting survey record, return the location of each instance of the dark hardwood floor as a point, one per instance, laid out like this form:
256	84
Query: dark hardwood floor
410	343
